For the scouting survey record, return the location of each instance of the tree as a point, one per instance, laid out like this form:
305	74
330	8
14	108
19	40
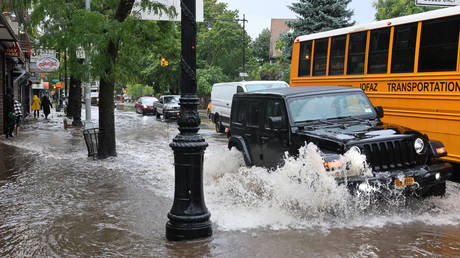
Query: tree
387	9
316	16
221	31
207	77
113	36
261	46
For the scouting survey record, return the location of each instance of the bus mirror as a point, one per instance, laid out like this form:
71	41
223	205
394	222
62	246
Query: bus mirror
379	111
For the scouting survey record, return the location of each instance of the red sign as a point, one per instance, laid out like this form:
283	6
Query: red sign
48	64
13	51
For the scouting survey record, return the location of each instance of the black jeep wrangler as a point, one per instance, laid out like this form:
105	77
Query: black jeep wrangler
267	123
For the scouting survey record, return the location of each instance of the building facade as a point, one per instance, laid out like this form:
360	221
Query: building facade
278	27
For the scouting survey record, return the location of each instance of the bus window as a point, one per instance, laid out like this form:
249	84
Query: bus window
337	59
305	58
356	53
439	44
378	51
402	59
320	57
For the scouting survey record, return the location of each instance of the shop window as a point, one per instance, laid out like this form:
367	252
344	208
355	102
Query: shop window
356	53
378	51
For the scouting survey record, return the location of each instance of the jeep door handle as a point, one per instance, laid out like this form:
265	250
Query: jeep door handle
228	104
264	138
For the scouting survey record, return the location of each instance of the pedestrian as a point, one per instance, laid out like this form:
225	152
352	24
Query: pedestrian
46	105
36	103
9	111
18	114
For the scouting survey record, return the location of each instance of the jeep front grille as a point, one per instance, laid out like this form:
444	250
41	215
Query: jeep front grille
383	156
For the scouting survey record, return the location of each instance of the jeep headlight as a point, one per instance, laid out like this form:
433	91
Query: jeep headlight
145	106
332	162
419	145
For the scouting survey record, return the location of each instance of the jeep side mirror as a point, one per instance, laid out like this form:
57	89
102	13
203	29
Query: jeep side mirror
379	111
275	122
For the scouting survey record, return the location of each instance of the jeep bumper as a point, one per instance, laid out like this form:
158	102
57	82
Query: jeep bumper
424	177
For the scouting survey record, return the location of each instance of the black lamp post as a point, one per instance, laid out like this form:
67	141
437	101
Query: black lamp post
189	217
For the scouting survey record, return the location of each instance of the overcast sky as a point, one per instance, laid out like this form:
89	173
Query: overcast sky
260	12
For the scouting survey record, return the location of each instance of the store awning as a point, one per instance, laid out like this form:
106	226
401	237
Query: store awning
6	33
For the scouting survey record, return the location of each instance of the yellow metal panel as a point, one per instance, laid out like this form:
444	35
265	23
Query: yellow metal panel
312	57
345	65
390	49
368	39
328	55
417	46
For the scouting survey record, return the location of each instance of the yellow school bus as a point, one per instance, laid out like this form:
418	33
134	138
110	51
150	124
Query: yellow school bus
409	65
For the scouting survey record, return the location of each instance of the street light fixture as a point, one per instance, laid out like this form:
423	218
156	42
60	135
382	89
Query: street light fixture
242	35
189	217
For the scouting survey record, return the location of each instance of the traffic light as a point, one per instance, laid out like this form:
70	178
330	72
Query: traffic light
164	62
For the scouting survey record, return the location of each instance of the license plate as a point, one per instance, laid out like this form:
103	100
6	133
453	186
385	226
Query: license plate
405	181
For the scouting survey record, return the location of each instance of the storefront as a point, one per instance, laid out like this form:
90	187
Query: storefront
8	43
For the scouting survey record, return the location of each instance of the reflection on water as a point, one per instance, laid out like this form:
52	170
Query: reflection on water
57	202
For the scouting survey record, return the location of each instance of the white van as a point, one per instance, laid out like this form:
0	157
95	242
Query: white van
222	95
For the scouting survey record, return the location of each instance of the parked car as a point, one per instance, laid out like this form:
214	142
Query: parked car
144	105
167	106
222	94
265	124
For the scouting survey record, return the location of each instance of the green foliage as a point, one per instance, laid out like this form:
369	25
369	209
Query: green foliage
221	31
139	90
316	16
207	76
261	46
387	9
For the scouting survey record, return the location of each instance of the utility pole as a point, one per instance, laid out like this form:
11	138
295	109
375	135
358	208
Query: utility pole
88	84
244	42
189	217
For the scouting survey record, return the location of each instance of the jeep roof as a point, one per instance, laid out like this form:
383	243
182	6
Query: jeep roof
304	90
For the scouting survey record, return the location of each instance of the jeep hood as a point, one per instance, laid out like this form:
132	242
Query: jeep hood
356	134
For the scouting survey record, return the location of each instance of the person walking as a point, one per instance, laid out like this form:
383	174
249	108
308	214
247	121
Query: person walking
36	103
46	105
9	111
18	114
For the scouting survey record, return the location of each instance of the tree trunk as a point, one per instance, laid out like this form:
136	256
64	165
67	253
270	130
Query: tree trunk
75	101
107	143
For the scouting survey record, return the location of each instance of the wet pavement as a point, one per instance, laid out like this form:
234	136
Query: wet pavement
55	201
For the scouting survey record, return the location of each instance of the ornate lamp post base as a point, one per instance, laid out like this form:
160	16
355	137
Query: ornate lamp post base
177	231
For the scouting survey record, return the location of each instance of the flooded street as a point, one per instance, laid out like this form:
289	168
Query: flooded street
55	201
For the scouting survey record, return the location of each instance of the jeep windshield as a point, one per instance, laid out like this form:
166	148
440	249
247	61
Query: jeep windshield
263	86
330	107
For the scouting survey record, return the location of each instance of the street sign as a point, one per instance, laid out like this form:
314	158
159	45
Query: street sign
438	3
243	75
163	16
48	64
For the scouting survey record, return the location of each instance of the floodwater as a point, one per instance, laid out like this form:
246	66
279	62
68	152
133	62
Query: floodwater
57	202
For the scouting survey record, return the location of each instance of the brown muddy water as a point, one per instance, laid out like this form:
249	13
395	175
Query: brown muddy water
56	202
